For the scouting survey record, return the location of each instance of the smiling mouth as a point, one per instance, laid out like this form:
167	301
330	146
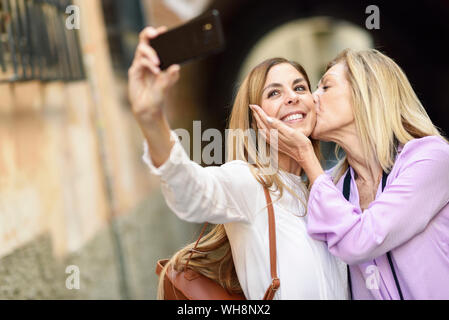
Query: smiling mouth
297	116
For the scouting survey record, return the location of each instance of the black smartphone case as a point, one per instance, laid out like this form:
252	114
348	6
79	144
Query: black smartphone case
196	39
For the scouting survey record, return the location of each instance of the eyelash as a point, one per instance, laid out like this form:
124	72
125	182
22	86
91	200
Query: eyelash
271	93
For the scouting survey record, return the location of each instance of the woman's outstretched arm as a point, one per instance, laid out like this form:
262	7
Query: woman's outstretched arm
194	193
147	88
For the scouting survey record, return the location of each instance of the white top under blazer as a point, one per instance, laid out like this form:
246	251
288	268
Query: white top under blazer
229	194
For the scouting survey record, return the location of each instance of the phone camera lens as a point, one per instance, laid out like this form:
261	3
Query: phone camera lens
207	27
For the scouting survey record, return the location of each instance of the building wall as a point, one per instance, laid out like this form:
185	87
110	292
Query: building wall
73	188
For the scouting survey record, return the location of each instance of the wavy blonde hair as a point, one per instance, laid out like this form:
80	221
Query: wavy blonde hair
213	257
386	109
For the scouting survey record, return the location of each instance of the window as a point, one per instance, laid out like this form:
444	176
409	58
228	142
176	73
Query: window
35	43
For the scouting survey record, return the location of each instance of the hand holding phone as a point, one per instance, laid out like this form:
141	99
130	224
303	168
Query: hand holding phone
196	39
147	84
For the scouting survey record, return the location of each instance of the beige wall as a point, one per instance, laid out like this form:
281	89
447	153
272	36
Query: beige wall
50	165
52	138
72	185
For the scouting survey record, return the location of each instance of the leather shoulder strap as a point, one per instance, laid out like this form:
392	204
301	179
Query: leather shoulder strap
196	245
275	282
346	193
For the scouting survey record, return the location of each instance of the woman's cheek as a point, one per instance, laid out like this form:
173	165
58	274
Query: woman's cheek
313	123
266	107
318	104
271	111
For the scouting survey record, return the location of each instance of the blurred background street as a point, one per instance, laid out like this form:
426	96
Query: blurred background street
73	187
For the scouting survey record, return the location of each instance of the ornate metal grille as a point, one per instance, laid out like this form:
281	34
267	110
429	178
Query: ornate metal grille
35	43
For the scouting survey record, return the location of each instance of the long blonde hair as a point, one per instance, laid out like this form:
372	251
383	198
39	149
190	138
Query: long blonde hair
386	109
213	257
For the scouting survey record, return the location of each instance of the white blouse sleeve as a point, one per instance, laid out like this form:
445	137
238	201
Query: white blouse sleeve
212	194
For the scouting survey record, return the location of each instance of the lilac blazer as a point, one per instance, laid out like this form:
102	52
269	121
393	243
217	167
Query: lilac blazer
410	218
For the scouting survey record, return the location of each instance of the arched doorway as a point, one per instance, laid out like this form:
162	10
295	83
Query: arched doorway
313	42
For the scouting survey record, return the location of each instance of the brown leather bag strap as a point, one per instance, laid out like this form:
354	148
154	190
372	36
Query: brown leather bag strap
196	245
275	282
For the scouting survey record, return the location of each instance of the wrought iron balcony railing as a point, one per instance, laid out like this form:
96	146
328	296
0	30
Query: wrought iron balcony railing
35	43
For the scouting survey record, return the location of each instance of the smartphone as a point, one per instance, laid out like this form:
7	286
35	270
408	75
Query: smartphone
196	39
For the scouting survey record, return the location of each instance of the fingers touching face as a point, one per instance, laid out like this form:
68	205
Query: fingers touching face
286	96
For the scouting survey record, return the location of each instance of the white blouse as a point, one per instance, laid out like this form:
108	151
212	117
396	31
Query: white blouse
230	195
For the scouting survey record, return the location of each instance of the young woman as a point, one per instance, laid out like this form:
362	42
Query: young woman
393	230
232	195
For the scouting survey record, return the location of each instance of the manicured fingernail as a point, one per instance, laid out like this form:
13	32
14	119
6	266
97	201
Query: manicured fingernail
269	119
151	31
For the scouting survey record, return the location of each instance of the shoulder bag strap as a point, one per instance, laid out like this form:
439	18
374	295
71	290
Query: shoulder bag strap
275	282
346	193
196	245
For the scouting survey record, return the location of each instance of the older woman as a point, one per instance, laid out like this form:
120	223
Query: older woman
391	223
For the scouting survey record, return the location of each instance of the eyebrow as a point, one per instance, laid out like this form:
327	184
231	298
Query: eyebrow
276	85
